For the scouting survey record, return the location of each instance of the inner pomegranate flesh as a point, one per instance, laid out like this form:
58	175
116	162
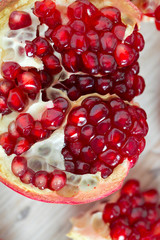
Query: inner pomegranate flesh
90	74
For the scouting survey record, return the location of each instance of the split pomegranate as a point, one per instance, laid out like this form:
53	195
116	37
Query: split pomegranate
132	214
67	135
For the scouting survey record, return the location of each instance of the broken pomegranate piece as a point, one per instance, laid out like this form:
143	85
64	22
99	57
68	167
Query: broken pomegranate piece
69	131
129	214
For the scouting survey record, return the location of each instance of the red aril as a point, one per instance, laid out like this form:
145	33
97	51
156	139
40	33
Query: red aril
10	70
19	19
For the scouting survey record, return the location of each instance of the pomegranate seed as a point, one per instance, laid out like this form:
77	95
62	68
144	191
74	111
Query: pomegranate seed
61	37
52	63
48	34
78	42
17	100
52	118
30	49
130	188
104	126
73	93
122	119
38	132
29	82
110	157
19	19
157	13
119	31
53	20
156	229
22	145
7	143
61	104
102	23
42	46
82	167
157	23
107	63
98	144
69	166
103	85
24	124
10	70
13	131
27	177
85	83
44	8
137	200
19	166
5	87
93	41
90	62
152	214
45	79
67	155
139	42
89	102
151	196
72	133
124	55
3	106
75	147
110	212
98	113
112	13
135	235
87	132
120	231
70	61
75	10
135	68
130	148
40	179
102	168
88	155
136	214
78	116
130	39
139	85
57	180
116	137
124	204
108	42
78	26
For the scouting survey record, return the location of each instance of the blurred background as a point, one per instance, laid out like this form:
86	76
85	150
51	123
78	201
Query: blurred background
22	218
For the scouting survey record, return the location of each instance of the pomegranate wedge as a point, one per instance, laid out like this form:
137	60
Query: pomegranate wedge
69	133
130	214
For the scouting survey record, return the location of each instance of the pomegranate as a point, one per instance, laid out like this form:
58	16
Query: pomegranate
129	214
69	133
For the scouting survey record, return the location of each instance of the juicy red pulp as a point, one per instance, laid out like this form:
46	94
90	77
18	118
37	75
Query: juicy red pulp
91	42
135	215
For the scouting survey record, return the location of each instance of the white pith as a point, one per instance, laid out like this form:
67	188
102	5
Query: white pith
84	182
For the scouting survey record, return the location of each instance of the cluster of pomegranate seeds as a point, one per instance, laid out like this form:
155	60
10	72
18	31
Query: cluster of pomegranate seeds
135	215
41	179
25	131
126	84
100	134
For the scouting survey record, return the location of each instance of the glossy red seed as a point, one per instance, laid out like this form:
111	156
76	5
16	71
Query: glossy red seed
124	204
78	42
10	70
98	113
27	177
151	196
57	180
157	23
87	132
119	31
52	63
29	82
38	132
42	46
102	23
108	42
117	103
45	79
110	212
93	41
102	168
7	143
19	19
107	63
53	20
157	13
78	26
67	154
19	166
17	100
98	144
137	200
24	124
88	155
86	84
139	42
40	179
75	147
89	102
61	37
72	133
74	93
156	229
30	49
103	85
124	55
69	166
122	119
104	126
82	167
112	13
90	62
78	116
131	188
3	106
52	118
5	87
130	148
136	214
75	10
139	85
44	8
115	138
135	235
70	61
110	157
13	131
120	231
22	145
61	104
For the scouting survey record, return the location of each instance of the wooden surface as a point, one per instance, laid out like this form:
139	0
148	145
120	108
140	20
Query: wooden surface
24	219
